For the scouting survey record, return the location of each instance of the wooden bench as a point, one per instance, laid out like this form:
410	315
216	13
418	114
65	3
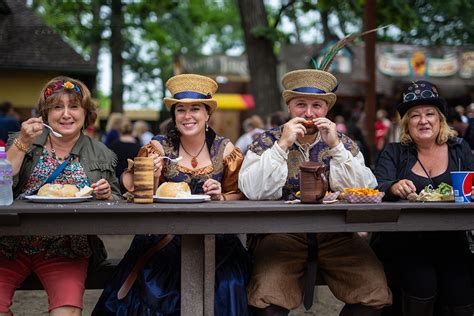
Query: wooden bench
98	278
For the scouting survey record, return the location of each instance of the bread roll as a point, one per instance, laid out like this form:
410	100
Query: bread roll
58	190
85	191
173	189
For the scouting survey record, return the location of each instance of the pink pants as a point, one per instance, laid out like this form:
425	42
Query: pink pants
62	278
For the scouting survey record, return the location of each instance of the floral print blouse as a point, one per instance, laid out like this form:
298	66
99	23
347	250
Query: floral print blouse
71	246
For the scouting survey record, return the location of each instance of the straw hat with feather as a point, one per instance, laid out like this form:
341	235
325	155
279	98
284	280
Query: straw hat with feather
318	82
190	88
310	83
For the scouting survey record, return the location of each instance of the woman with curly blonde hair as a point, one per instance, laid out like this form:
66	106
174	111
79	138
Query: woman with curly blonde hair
427	269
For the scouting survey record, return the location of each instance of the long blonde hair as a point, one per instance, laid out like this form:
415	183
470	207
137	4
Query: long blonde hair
114	121
445	131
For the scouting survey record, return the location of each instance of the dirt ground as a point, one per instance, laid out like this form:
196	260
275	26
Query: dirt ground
35	303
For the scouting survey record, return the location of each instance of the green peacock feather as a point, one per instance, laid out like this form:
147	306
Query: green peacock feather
329	57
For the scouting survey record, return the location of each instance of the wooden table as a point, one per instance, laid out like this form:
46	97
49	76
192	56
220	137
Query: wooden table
199	222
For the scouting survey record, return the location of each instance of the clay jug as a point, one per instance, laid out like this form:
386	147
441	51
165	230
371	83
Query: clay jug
313	182
143	180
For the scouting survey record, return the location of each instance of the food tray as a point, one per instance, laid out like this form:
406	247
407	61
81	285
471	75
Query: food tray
357	198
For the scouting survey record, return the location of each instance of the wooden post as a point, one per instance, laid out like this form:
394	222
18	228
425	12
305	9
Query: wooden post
370	97
209	273
192	275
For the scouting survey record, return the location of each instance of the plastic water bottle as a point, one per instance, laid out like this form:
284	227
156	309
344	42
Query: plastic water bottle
6	180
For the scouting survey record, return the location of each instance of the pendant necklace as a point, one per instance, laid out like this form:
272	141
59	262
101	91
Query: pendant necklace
53	152
194	161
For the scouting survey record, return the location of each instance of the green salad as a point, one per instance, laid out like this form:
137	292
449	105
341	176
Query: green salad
444	192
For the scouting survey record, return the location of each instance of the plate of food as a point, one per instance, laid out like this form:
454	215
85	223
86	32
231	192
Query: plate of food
61	193
178	192
331	197
444	193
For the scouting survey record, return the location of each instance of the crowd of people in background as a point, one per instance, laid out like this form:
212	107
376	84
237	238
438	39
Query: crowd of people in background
121	133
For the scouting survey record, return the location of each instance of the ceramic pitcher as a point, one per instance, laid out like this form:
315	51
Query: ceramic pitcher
313	182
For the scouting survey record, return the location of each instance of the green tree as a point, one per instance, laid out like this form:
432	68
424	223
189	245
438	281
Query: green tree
152	34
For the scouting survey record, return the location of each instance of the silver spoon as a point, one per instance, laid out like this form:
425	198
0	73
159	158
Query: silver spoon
172	159
52	131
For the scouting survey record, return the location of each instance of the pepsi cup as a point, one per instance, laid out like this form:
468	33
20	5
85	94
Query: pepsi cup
462	186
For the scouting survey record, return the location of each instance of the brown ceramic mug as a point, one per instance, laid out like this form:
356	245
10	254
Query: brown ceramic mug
143	180
313	182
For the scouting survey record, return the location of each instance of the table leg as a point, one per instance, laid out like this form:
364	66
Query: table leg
209	273
197	275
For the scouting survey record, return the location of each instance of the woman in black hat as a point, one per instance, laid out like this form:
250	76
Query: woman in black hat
427	267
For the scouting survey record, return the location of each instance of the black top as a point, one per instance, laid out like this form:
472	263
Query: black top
397	160
124	151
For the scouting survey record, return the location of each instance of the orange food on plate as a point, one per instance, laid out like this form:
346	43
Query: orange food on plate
362	191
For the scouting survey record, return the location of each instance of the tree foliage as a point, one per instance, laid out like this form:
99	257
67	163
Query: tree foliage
154	33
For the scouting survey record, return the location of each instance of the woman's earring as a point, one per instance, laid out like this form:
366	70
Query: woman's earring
207	127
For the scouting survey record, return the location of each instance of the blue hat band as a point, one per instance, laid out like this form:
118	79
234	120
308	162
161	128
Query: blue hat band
191	95
312	90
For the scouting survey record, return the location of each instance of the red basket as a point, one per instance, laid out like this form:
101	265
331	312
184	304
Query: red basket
331	196
357	198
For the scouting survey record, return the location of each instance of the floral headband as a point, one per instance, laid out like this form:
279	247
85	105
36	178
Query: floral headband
58	85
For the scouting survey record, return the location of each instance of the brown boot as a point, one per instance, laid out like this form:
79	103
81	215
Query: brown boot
272	310
359	310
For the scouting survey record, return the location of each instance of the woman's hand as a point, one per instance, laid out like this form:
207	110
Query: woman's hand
213	188
30	129
327	130
102	190
157	165
402	188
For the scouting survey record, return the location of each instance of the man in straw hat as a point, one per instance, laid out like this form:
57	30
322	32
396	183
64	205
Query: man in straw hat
285	264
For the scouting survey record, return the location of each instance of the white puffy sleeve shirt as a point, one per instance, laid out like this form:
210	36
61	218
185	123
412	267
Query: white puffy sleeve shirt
262	177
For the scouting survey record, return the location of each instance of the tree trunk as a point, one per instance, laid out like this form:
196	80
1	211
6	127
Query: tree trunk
117	60
325	23
370	99
96	38
261	59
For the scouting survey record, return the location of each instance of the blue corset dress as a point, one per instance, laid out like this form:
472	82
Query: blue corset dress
156	291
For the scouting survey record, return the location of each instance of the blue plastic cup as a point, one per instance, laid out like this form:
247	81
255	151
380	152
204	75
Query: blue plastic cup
462	186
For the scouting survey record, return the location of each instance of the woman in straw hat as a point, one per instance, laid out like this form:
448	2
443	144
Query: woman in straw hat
284	263
210	165
426	266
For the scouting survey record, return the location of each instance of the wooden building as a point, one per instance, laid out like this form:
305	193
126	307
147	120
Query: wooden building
450	68
31	54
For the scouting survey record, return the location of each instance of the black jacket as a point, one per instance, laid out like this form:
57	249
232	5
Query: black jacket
397	160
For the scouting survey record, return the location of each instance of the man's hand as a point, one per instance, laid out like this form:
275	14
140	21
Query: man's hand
291	130
327	130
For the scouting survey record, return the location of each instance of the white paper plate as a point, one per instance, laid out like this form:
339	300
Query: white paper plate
49	199
195	198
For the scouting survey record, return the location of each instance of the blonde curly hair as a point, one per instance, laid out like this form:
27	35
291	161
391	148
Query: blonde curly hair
445	131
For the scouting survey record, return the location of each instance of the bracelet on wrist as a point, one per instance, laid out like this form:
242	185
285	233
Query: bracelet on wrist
20	145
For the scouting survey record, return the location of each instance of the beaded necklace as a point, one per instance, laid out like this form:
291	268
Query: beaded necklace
53	152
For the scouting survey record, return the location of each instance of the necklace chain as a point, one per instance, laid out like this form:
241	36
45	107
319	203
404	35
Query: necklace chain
194	161
53	152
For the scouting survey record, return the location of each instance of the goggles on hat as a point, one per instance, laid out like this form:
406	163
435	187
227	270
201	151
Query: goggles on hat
410	96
